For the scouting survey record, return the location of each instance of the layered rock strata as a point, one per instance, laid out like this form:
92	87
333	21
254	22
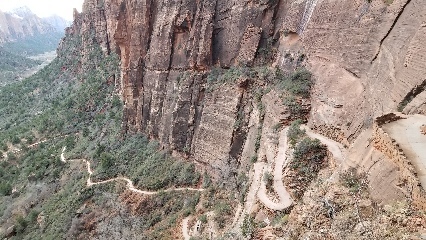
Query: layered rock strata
367	57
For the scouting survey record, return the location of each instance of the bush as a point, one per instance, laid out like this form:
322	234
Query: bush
107	161
5	188
293	106
277	127
298	83
11	156
248	228
203	219
354	181
295	133
308	158
21	224
70	142
15	140
221	211
4	147
310	150
268	178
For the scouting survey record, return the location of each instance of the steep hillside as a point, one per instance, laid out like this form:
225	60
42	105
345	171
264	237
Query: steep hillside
222	120
360	52
201	77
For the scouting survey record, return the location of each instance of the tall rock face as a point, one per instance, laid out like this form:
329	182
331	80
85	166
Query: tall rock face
368	58
20	24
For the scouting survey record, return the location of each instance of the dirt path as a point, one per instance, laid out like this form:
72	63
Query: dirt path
62	155
131	187
129	182
258	188
285	200
408	134
251	198
337	149
185	231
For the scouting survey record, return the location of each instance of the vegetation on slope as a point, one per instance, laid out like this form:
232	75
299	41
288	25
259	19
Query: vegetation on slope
74	104
11	65
33	45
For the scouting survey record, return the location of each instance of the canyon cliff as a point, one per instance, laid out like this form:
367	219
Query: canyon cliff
20	24
267	119
365	60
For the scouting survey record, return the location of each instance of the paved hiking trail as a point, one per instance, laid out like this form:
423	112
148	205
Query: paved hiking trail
408	134
285	200
258	188
337	149
185	231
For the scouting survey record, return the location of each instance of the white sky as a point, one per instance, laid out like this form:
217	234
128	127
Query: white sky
45	8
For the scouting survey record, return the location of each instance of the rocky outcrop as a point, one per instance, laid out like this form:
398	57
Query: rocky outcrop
364	57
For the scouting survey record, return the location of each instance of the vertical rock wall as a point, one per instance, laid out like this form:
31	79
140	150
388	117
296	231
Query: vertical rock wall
365	58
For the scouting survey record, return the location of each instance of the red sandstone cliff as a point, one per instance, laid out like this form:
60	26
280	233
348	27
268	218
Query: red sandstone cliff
366	59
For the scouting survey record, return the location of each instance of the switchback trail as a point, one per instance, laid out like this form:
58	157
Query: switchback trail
334	147
258	188
285	200
129	182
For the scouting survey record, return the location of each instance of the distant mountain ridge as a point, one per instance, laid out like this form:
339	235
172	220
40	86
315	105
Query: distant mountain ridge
58	22
22	23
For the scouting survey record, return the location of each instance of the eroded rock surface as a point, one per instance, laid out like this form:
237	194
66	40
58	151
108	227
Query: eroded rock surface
367	58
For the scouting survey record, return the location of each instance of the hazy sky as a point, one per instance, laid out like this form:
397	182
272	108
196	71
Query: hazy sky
45	8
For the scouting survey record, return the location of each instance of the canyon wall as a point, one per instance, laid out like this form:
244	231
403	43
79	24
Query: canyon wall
15	26
367	58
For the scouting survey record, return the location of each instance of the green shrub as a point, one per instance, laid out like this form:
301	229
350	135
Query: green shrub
222	210
298	83
21	224
11	156
308	158
293	106
4	147
248	228
268	178
203	219
295	133
70	142
107	161
206	180
354	181
15	140
5	188
277	127
310	150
